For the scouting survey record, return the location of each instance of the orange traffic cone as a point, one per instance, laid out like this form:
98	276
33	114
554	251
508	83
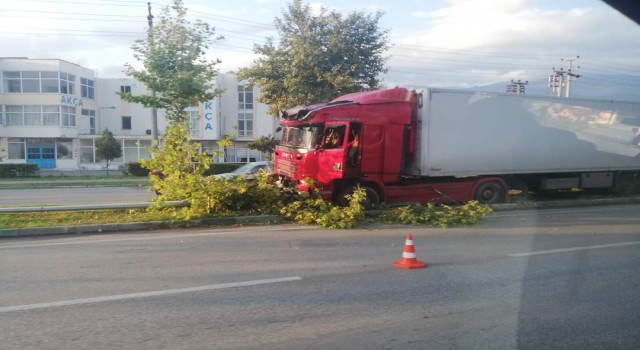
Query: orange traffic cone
409	260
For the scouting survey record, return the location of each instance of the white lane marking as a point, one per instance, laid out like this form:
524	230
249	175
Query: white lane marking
218	233
575	249
145	294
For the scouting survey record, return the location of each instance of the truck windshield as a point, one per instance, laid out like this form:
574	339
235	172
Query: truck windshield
300	136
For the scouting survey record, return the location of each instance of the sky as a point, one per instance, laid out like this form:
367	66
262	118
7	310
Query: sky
444	43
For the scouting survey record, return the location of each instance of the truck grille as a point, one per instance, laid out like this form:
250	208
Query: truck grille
286	167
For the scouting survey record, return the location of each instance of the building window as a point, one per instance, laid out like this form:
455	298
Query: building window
67	83
87	88
92	119
31	82
209	146
11	82
1	115
39	115
245	124
49	82
64	149
16	148
194	123
125	88
130	150
245	97
68	116
245	114
33	115
50	115
15	115
134	150
87	154
126	123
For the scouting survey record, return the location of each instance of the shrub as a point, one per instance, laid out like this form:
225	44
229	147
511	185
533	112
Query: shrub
436	215
135	169
18	170
317	211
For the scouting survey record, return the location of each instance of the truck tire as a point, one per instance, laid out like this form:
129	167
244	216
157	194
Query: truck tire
626	184
490	192
372	201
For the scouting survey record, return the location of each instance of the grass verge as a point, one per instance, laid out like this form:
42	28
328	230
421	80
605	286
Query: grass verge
72	182
64	218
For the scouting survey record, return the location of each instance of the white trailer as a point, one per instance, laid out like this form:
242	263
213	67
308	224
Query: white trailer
559	142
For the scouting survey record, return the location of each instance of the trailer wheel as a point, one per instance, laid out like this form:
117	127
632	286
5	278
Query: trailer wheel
490	193
372	201
626	184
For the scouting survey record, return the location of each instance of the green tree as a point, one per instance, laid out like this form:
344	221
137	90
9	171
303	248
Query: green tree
174	67
318	57
179	167
264	144
107	147
179	75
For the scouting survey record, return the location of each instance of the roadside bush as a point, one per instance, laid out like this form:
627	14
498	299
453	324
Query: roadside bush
222	196
208	195
316	211
135	169
436	215
18	170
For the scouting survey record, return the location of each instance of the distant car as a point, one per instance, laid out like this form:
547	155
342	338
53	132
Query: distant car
246	171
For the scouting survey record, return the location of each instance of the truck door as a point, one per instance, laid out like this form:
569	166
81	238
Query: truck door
331	155
353	150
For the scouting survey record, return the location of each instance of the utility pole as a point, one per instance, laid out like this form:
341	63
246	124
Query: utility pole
517	86
556	81
562	78
570	74
154	111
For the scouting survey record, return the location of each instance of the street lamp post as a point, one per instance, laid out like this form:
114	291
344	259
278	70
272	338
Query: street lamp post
99	128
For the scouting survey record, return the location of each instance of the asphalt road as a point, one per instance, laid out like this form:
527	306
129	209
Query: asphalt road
552	279
73	196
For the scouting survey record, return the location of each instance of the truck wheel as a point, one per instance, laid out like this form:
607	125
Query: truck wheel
626	184
490	192
372	201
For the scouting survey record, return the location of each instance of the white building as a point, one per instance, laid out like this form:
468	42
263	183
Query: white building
51	112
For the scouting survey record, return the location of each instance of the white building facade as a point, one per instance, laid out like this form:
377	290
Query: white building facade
52	111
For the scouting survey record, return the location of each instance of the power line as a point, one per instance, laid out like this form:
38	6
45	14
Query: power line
81	19
111	2
470	52
405	53
71	13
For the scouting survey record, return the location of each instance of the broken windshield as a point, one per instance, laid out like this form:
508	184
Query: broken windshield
301	136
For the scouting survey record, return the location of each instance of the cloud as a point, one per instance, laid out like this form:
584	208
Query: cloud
479	42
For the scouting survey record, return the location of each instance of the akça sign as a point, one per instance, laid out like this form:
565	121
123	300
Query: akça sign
69	100
209	119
